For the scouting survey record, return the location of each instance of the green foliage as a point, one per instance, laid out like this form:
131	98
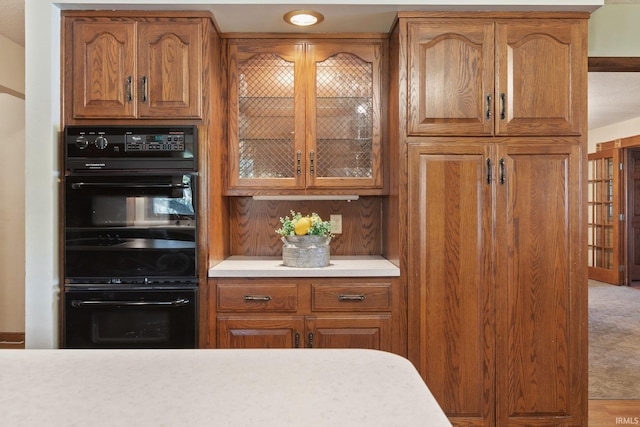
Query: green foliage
318	226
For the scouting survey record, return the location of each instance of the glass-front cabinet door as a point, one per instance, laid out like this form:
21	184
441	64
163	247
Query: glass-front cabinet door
304	116
266	110
603	217
343	115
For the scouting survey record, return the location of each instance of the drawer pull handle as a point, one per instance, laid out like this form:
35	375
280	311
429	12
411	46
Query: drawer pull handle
257	298
351	297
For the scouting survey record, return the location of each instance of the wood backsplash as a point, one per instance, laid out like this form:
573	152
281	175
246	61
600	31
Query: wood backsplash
253	224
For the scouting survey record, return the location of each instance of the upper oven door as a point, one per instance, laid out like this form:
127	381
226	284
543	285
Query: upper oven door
128	227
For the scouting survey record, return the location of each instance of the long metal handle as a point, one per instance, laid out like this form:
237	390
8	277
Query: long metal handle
489	176
143	89
310	339
296	340
352	297
127	88
503	106
298	162
103	303
257	298
503	171
488	106
311	157
81	185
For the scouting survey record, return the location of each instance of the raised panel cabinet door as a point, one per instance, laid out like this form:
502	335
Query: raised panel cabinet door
104	69
170	69
260	332
344	331
450	77
540	76
344	113
451	311
266	115
541	284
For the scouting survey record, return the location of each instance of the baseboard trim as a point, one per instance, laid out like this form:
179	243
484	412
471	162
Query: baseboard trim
12	340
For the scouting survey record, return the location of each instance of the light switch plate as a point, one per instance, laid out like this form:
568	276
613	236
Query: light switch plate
336	224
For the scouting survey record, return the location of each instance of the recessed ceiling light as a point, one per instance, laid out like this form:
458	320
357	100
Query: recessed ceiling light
303	18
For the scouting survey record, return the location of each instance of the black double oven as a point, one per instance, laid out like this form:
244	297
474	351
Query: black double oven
130	237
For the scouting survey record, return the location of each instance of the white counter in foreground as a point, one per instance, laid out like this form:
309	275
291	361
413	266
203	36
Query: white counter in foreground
339	266
231	388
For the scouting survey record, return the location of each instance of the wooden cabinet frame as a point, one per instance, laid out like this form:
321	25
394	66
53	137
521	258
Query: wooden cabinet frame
489	222
297	156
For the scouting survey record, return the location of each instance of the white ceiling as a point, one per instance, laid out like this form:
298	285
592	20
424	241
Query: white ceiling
612	98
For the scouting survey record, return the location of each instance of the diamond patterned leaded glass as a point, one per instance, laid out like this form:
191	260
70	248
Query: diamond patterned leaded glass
344	117
266	117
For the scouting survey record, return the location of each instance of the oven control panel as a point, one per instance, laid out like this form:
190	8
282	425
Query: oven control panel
130	147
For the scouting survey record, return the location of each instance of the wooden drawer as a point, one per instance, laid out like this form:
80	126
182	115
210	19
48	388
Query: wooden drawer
257	297
351	297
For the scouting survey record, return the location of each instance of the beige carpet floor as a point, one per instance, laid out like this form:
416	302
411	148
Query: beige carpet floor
614	341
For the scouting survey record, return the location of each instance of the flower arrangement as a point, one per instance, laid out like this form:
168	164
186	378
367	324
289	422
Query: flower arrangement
298	225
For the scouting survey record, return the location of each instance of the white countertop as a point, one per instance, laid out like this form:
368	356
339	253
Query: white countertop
339	266
303	387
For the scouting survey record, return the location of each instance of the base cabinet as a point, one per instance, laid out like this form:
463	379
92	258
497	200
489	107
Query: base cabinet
370	332
307	313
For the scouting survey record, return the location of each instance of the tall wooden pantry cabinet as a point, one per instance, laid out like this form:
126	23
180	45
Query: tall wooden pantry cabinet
489	115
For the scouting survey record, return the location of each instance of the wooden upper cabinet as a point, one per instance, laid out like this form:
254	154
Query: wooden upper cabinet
170	69
129	69
540	66
305	116
344	114
450	77
495	77
103	68
266	115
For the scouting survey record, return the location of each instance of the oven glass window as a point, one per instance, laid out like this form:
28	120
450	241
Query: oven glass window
150	326
122	227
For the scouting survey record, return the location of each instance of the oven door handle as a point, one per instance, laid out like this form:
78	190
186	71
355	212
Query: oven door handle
81	185
180	302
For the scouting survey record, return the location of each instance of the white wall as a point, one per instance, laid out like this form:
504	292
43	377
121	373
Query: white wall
42	19
614	31
12	126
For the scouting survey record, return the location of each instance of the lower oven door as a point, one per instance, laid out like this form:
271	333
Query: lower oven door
143	318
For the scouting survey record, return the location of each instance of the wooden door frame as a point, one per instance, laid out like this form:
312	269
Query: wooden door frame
619	64
613	64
